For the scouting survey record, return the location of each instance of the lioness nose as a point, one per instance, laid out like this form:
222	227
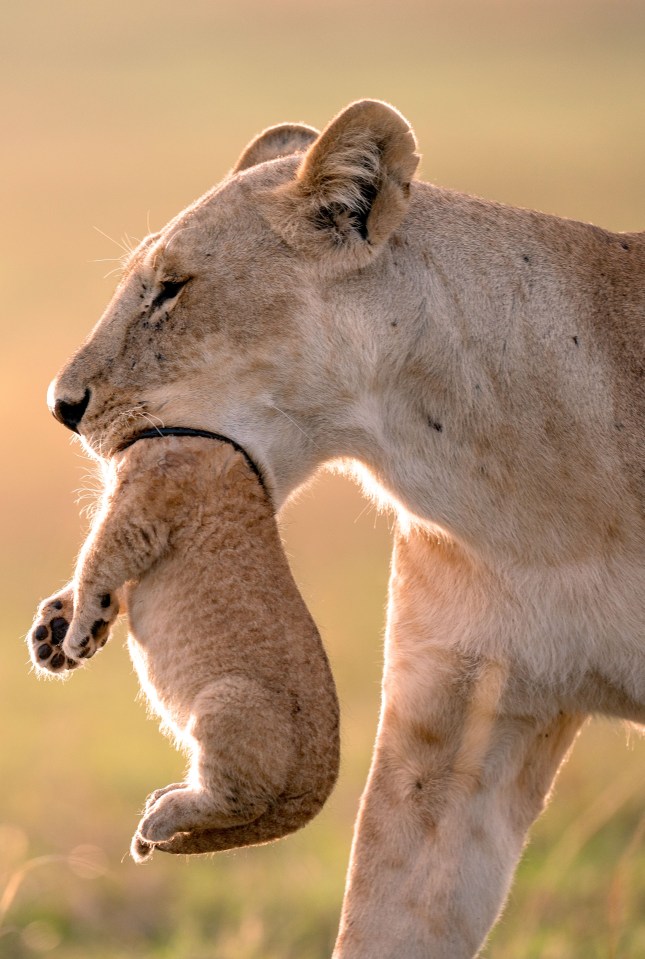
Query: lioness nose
70	413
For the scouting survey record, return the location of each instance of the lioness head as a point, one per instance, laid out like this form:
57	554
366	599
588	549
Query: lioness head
239	315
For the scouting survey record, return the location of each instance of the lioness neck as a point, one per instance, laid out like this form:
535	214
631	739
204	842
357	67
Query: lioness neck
493	394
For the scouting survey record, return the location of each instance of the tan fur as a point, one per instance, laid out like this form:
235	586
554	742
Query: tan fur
224	647
278	141
480	368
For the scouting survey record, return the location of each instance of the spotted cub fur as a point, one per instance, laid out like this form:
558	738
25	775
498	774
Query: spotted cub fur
222	641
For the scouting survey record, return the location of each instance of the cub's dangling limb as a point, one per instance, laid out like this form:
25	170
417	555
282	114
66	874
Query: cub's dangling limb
224	646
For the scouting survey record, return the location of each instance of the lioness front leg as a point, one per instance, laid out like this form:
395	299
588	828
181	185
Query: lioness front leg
442	826
462	767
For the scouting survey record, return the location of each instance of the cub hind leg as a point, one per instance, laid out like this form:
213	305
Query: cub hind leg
290	814
242	745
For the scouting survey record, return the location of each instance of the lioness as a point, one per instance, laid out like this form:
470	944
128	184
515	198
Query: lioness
483	367
222	641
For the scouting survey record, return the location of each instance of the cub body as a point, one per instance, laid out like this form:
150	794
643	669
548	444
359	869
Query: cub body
223	643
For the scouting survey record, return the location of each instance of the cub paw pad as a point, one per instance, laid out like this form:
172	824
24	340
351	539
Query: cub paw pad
48	633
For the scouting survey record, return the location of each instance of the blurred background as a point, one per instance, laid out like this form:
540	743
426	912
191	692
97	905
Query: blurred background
114	116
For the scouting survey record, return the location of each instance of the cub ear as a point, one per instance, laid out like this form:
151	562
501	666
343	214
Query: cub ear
352	188
278	141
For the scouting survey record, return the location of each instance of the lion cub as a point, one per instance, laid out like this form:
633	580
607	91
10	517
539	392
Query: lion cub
222	641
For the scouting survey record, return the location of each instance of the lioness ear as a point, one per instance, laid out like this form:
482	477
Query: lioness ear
352	188
278	141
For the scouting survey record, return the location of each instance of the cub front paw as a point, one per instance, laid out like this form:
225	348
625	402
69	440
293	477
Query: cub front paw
62	636
90	627
46	636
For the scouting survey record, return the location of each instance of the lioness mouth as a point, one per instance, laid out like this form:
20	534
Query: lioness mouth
157	431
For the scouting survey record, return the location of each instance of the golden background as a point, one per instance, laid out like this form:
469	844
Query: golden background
114	116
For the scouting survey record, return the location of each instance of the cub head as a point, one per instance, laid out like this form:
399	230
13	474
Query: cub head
229	318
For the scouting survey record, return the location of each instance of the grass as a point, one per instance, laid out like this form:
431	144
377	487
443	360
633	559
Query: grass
117	115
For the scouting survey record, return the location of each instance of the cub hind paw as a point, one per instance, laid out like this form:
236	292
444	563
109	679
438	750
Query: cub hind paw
158	793
140	850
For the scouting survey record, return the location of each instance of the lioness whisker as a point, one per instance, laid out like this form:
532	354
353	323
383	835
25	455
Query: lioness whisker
117	269
127	251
